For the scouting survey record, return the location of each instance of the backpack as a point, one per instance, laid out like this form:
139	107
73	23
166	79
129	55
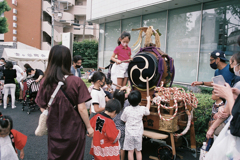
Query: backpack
235	122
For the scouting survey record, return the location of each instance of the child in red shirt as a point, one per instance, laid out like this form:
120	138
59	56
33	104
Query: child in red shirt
105	144
10	140
123	53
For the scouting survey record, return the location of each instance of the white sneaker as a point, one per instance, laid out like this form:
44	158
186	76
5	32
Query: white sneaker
5	107
13	107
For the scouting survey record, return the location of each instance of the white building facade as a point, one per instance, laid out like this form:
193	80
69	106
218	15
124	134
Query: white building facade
66	13
190	29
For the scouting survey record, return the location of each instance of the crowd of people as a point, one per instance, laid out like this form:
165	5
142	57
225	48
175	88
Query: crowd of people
114	120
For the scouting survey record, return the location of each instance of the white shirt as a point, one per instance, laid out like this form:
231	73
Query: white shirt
6	149
98	96
76	73
19	73
133	118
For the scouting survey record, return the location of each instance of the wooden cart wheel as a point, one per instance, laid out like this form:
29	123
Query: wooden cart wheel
165	153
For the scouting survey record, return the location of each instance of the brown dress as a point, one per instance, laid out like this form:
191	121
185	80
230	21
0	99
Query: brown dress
66	129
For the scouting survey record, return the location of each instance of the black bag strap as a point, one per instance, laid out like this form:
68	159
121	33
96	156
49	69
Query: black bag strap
74	106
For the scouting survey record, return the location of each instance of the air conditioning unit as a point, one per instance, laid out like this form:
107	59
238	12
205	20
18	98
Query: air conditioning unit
14	2
14	31
14	39
15	18
14	11
14	25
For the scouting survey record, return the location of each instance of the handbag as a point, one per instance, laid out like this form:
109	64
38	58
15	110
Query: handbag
42	123
219	129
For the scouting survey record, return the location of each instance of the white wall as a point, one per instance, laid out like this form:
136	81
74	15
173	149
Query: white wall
97	8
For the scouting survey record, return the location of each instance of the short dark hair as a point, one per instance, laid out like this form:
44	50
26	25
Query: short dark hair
113	105
77	58
9	65
108	81
119	95
97	76
29	70
134	97
3	59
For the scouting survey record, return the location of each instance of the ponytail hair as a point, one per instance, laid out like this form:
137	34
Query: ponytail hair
123	35
97	76
5	122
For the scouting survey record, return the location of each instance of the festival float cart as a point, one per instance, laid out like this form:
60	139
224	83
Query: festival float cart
171	114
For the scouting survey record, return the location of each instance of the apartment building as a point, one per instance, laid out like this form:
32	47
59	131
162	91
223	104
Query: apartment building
66	13
24	22
30	22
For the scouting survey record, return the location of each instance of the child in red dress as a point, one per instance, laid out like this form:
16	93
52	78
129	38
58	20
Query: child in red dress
105	144
10	140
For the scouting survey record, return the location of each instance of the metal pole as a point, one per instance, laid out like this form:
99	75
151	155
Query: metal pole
52	36
84	29
199	42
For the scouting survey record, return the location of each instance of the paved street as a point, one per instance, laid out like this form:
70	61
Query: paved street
36	147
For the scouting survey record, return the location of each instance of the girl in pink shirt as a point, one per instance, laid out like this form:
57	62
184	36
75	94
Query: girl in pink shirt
123	53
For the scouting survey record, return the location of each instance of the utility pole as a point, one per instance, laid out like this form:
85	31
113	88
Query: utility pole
84	29
53	10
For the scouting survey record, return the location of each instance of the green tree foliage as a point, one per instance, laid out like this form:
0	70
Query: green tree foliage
88	49
3	20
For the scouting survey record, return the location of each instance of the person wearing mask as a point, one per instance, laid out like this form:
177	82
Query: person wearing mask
218	63
75	68
36	74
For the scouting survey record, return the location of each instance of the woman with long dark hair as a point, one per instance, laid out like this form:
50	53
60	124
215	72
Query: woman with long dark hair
66	125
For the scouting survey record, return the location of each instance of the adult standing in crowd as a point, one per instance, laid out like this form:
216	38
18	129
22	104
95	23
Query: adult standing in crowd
227	145
66	125
19	79
218	63
9	84
36	74
75	68
2	67
109	67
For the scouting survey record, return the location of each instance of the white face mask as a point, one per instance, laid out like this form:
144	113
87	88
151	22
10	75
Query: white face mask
237	73
30	76
124	44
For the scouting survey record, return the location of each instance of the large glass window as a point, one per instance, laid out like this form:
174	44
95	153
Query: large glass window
100	45
183	41
112	33
220	30
128	25
158	21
